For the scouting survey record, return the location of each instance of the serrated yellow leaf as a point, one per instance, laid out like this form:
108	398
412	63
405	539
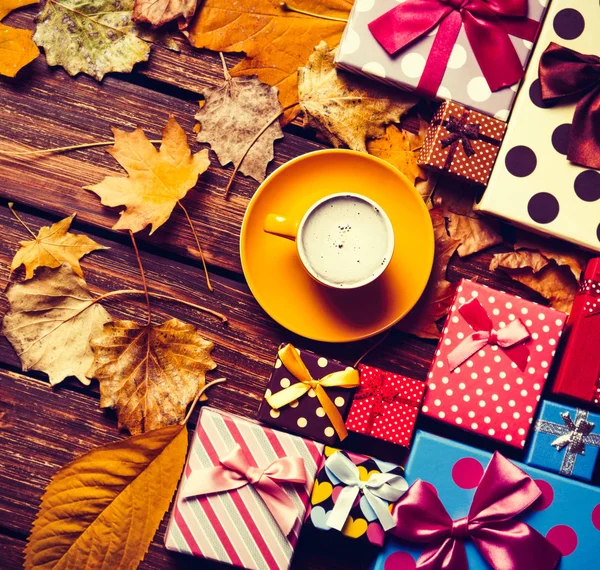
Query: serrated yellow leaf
102	510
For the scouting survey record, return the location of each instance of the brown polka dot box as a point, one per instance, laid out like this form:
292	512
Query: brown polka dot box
309	395
547	176
578	373
462	142
472	52
492	362
386	405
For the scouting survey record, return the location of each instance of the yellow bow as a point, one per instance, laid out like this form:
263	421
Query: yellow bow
347	378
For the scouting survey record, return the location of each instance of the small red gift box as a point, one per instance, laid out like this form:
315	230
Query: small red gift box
492	363
386	405
578	374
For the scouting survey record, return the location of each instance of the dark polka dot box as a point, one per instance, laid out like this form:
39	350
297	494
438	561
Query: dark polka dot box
567	512
533	184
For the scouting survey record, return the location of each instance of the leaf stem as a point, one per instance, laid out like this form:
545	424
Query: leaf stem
198	396
225	70
373	347
59	149
287	7
11	208
139	260
208	283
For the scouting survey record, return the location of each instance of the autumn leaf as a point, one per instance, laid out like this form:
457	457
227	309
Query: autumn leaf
159	12
233	115
157	180
437	298
276	40
150	373
346	109
400	148
103	509
53	246
50	321
17	49
90	36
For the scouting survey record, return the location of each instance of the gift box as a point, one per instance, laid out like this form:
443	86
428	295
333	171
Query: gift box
492	363
578	373
565	440
386	405
353	494
566	514
435	61
309	395
540	181
244	493
462	142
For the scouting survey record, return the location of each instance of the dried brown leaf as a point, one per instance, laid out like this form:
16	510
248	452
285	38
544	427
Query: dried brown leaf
159	12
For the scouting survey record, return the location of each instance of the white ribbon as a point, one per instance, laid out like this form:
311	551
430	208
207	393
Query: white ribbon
380	490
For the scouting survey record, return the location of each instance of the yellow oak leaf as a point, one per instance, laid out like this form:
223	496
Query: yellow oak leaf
150	373
103	509
17	49
276	40
53	246
157	180
344	108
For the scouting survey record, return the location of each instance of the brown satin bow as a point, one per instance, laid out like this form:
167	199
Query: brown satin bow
567	75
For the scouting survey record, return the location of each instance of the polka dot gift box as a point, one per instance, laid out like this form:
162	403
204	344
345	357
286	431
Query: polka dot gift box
462	79
567	513
386	405
462	142
533	183
353	494
492	362
309	395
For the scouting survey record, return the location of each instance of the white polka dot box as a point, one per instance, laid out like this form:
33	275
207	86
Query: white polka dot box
492	362
463	81
565	512
578	373
533	184
462	142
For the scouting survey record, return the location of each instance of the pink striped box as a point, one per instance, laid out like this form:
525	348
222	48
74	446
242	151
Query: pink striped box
236	526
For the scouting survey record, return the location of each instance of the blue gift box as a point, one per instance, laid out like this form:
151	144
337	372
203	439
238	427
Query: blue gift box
567	513
565	440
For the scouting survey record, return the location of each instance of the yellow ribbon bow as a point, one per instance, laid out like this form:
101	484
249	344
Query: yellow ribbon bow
347	378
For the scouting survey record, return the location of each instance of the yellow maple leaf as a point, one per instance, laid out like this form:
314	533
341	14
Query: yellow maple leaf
276	40
17	49
53	246
103	509
157	180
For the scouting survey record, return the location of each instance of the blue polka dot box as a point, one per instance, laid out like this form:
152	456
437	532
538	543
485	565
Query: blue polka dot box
538	181
566	513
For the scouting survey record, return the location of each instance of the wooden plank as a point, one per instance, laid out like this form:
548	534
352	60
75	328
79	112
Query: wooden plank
11	552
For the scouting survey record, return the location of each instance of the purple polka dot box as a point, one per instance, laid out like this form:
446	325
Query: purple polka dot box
566	513
533	183
462	81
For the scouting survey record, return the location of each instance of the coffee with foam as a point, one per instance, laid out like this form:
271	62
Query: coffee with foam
346	240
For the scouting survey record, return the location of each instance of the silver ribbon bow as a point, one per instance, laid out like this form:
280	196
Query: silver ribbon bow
573	436
379	490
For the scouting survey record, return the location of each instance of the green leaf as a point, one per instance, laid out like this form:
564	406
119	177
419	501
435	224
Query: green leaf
90	36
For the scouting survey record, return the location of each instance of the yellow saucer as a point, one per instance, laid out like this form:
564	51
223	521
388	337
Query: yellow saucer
280	283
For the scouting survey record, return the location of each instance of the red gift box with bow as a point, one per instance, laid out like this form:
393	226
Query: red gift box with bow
578	374
492	362
386	405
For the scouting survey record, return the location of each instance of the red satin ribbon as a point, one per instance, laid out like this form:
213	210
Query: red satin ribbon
488	24
235	472
567	75
510	338
505	491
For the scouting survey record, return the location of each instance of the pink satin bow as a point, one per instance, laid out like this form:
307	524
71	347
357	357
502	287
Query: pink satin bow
235	472
509	338
488	24
505	491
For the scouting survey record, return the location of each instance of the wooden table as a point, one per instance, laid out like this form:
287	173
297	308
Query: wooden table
41	429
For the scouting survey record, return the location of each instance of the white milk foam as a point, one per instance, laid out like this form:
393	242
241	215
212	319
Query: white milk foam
345	240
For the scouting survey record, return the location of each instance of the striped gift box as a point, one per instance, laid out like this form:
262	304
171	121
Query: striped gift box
236	526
